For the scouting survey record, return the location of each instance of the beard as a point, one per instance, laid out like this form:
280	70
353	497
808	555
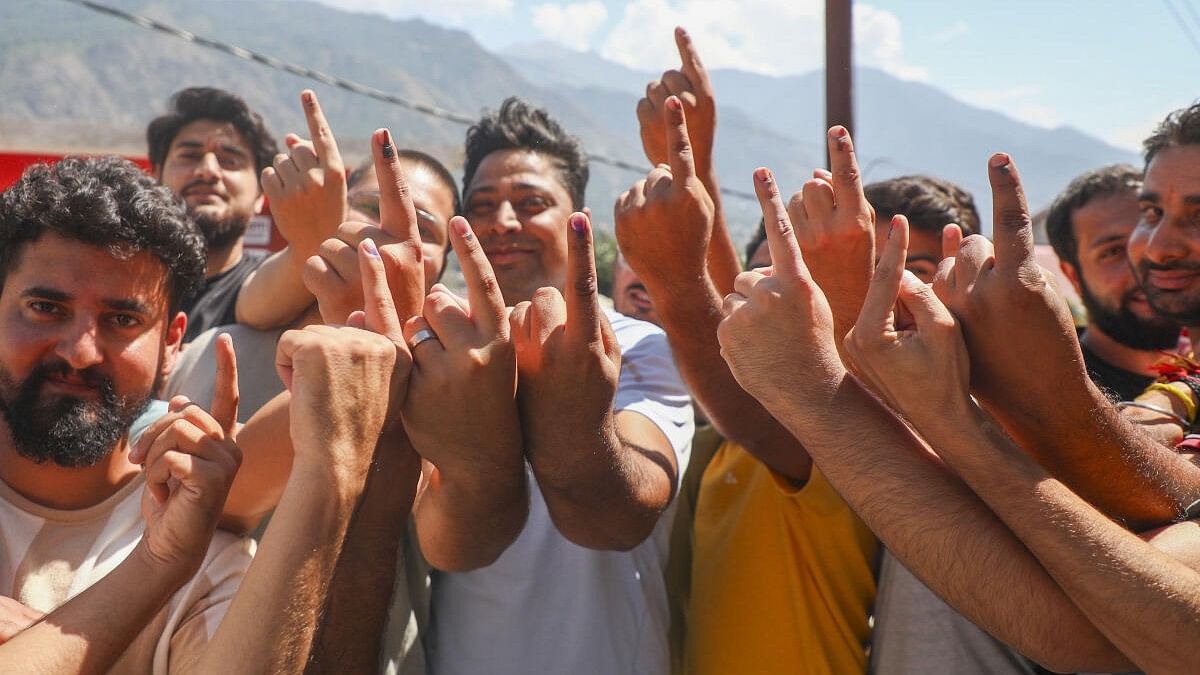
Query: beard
220	233
69	431
1127	328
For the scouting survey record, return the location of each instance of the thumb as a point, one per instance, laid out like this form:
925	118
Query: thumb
887	280
922	303
679	145
225	393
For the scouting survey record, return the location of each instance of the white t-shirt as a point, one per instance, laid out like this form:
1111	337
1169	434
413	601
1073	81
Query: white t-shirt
48	556
550	606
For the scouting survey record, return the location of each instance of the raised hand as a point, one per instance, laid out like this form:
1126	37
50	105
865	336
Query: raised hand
568	360
1014	321
307	186
835	226
333	275
906	345
190	458
778	331
689	84
664	222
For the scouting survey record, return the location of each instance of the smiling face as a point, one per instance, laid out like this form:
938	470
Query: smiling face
1165	247
84	339
211	166
518	207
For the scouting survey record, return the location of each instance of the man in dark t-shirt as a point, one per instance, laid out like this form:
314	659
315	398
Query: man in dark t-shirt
210	148
1089	224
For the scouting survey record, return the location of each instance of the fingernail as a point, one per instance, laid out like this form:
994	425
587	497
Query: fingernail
840	135
763	175
368	245
891	229
387	149
682	31
308	97
999	161
461	227
579	224
673	103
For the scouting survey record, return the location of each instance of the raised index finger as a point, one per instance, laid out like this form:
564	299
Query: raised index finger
885	284
583	308
781	238
324	144
397	215
483	291
1012	228
225	391
679	146
693	69
843	164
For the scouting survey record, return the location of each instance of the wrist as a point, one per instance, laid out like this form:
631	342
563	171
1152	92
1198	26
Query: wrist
331	478
153	569
558	459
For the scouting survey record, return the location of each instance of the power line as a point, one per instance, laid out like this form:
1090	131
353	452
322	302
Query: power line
1183	25
333	80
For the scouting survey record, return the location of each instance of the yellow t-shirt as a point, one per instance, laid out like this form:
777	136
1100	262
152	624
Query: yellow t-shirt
782	578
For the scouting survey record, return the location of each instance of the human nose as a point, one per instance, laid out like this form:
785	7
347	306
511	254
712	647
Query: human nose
1165	242
505	220
81	348
208	167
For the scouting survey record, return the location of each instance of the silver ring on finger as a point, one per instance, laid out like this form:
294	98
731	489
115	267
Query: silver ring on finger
420	336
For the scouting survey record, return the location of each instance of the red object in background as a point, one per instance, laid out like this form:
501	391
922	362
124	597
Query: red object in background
262	236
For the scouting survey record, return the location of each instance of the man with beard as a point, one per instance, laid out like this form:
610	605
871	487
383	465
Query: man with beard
1089	225
209	149
114	542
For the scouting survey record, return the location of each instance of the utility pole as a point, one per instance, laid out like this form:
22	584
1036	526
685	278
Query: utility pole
839	62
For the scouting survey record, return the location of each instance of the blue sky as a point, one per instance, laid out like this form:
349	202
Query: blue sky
1109	67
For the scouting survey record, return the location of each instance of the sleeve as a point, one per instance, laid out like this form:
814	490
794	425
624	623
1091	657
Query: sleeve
154	410
651	385
206	599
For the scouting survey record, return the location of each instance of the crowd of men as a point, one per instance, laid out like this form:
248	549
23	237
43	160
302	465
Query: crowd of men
885	446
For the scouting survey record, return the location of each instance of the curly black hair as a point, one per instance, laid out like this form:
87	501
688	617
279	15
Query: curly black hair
519	125
1181	127
1102	182
929	203
210	103
106	202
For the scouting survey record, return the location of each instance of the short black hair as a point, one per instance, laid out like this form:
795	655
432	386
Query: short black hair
210	103
929	203
1102	182
416	157
107	202
1181	127
519	125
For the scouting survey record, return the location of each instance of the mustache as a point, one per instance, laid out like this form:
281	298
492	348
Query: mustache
58	368
1147	266
200	182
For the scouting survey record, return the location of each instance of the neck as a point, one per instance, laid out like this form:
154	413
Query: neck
223	260
56	487
1116	354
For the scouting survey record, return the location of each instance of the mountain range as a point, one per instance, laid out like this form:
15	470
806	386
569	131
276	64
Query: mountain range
75	80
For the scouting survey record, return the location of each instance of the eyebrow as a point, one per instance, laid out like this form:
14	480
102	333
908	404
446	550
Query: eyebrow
120	304
225	147
516	186
1105	241
1147	196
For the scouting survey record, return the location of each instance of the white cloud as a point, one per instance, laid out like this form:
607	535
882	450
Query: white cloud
1021	102
455	12
955	30
772	37
571	25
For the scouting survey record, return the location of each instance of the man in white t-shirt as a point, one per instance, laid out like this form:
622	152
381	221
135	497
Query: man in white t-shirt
607	426
95	261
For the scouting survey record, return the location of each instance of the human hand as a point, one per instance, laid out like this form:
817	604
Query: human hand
663	223
778	331
307	186
835	226
690	84
190	458
906	345
15	617
333	274
1016	325
465	360
568	360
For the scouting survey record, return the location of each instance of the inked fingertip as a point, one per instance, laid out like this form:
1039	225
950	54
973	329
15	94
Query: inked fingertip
1000	160
579	223
307	96
461	227
673	104
368	246
762	174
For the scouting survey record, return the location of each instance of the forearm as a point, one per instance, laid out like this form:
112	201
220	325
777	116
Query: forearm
1146	602
690	319
724	263
266	463
465	519
1084	441
602	491
274	295
91	631
289	578
349	638
942	531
